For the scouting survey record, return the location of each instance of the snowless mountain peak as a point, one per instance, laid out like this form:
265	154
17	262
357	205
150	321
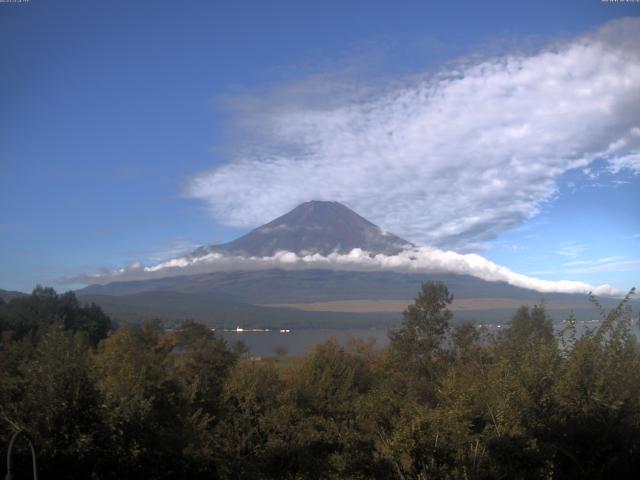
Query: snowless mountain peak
316	226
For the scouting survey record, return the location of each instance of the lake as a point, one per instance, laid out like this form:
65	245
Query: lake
300	341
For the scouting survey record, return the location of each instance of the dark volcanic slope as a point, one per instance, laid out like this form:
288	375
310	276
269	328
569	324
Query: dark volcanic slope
312	227
230	298
177	306
299	286
304	286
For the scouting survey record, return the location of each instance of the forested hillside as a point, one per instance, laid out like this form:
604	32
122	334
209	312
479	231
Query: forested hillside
440	402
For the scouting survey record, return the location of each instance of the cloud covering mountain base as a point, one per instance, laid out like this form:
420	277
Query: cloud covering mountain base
413	260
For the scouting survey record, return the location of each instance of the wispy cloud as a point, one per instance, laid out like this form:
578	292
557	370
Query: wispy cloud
578	268
415	260
594	262
571	250
172	249
513	247
450	158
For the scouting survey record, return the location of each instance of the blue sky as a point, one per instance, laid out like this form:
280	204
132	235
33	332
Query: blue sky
133	131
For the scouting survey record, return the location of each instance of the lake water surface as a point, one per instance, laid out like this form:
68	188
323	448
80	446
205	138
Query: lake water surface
297	342
300	341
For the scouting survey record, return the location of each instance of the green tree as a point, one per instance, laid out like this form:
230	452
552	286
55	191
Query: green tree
141	402
530	325
418	349
52	396
31	316
201	364
596	427
316	432
425	324
251	395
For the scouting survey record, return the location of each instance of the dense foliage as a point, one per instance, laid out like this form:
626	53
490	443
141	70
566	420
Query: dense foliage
440	402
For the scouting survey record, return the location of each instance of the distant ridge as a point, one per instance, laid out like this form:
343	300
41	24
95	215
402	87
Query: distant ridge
8	295
312	227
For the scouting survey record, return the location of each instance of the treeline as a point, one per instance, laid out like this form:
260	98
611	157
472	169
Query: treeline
439	402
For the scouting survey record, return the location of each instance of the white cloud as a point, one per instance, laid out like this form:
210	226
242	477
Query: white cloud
628	162
446	159
414	260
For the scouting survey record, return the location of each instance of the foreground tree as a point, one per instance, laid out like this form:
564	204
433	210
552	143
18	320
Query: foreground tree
595	430
200	368
250	399
52	396
439	403
141	403
418	349
425	324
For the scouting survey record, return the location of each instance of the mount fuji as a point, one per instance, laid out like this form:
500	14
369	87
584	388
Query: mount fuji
312	227
312	296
